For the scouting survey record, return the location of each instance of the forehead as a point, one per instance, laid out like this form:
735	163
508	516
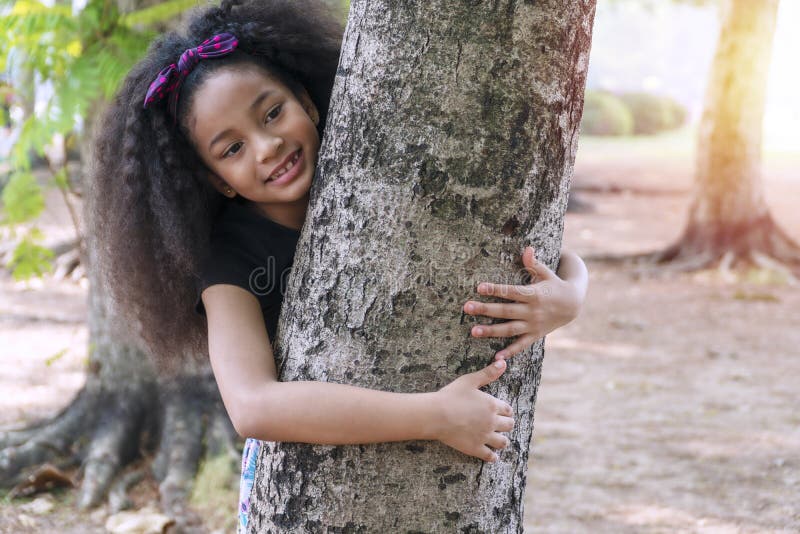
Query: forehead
225	96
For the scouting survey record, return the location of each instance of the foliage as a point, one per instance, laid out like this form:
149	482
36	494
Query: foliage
29	258
22	198
609	114
85	56
677	113
652	113
605	114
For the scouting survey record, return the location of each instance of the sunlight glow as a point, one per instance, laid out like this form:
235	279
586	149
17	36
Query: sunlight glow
782	116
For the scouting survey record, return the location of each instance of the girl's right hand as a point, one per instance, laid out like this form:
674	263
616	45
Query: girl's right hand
472	421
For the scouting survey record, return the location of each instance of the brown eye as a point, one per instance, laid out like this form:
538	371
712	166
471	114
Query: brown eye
230	151
274	112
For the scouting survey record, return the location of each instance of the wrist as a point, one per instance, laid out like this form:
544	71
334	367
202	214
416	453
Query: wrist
429	415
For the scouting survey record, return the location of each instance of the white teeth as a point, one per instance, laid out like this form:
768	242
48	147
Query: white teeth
285	169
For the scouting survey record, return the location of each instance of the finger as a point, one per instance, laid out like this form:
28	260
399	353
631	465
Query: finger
488	374
504	408
497	441
503	424
520	344
486	454
538	270
521	293
507	329
498	310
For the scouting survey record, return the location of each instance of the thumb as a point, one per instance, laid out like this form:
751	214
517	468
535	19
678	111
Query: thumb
488	374
538	271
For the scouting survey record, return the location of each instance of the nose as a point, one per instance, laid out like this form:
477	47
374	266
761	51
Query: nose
267	147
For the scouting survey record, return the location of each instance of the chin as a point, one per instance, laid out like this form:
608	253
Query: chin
293	192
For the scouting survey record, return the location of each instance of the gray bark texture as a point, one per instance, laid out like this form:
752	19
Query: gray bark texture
449	145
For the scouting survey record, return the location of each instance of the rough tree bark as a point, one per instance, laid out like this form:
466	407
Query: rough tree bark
125	412
729	223
450	144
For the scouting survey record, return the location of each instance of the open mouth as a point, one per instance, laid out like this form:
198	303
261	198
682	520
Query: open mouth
286	169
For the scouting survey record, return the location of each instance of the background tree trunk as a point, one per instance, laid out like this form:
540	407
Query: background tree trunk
124	412
729	222
450	144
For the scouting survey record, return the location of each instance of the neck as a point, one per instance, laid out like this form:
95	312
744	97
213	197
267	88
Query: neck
289	214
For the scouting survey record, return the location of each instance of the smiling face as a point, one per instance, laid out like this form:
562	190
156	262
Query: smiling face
249	128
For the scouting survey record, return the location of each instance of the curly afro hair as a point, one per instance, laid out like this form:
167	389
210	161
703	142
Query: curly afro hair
151	203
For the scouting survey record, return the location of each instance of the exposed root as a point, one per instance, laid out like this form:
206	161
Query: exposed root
111	447
118	493
50	441
180	450
68	418
761	244
186	422
104	431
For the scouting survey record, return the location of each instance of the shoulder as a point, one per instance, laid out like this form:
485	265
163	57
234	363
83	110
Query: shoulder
248	251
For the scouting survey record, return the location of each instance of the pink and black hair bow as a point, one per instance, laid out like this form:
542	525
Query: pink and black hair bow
169	80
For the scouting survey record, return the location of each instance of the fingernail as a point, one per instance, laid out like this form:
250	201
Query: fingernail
478	331
470	308
501	355
499	364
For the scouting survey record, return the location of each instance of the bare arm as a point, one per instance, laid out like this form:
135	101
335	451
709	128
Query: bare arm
327	413
339	414
572	269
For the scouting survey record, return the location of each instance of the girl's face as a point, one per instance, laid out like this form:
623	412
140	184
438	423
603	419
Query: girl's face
248	127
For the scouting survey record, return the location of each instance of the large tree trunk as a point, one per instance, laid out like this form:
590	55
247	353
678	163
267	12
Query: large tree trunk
450	144
729	222
124	409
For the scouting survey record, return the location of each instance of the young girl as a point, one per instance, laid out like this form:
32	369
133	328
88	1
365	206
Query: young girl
204	165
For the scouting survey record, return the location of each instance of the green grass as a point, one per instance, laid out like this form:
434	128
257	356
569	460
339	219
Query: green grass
215	493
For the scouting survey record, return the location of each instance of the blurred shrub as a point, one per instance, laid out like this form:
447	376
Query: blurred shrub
653	113
605	114
678	113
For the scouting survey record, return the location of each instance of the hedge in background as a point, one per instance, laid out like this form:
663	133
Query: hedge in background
605	114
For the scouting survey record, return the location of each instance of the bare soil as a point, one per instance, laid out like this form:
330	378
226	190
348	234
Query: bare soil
669	405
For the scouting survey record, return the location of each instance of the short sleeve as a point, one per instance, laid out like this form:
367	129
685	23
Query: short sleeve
235	266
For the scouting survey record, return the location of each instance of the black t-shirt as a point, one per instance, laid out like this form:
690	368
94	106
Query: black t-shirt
253	252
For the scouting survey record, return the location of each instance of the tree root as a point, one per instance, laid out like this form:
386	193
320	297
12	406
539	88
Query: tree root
118	493
760	244
110	448
166	428
52	440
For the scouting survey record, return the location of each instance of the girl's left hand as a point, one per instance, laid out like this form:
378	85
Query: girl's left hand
539	308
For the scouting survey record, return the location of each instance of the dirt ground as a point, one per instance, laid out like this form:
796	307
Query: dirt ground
669	405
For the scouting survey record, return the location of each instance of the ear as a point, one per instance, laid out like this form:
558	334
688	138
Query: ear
308	105
221	185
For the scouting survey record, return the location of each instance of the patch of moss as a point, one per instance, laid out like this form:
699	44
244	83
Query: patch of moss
215	493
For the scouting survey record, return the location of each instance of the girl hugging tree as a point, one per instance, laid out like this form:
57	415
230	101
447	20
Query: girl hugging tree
205	162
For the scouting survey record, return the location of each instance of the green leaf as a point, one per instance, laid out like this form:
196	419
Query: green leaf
22	198
30	259
55	357
61	179
34	135
157	13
